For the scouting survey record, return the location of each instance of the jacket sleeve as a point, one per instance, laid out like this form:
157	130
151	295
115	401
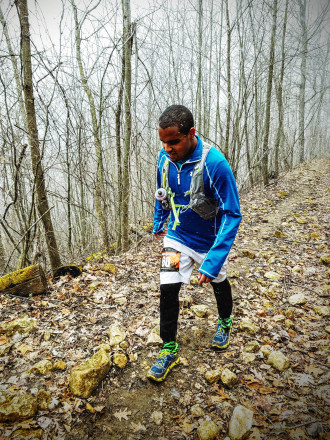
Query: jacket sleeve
160	214
223	186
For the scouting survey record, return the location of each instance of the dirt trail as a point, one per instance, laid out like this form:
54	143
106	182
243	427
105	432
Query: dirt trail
284	231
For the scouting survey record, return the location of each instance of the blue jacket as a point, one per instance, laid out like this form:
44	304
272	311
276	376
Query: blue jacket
216	236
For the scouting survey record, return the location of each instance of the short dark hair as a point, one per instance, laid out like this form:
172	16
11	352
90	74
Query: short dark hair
177	115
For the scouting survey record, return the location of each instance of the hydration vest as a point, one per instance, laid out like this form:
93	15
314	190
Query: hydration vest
205	207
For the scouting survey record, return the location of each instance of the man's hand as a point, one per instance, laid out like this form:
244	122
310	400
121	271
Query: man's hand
202	278
160	234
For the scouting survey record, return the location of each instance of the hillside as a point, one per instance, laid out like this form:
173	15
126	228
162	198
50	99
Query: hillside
281	304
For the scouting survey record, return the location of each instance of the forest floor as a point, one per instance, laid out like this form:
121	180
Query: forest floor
276	257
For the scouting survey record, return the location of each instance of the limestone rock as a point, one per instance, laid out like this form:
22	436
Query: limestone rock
247	358
322	310
24	324
157	417
194	280
228	378
4	349
207	430
85	377
325	259
154	339
297	299
213	376
266	349
247	325
185	301
200	310
289	324
278	360
44	399
110	268
28	434
59	365
270	275
248	253
116	334
240	423
120	360
197	411
43	367
16	407
251	347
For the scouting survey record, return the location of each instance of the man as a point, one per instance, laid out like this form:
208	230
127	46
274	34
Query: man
204	221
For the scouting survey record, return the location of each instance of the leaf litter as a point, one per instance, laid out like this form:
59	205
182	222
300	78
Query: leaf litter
285	230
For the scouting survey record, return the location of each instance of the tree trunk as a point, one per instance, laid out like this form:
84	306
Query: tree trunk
226	149
99	193
24	282
41	199
302	86
128	39
265	148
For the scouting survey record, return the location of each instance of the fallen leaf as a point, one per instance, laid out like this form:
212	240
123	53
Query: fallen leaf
138	427
122	414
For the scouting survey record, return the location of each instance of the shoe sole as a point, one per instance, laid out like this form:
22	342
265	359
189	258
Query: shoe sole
160	379
222	347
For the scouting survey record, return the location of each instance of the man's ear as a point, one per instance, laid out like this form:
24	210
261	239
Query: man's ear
192	131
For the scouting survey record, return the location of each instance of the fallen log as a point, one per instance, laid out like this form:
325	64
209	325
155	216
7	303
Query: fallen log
25	282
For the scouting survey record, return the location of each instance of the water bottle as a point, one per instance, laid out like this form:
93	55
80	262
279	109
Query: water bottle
162	196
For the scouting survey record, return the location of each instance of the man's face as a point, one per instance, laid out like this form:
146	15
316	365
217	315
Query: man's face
176	144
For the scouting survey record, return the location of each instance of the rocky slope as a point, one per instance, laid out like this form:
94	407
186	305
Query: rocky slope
275	374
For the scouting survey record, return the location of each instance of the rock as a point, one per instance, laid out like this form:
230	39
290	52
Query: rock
43	367
289	324
16	407
251	347
266	349
85	377
116	334
322	310
28	434
44	399
154	339
185	301
200	310
59	365
247	325
157	417
22	325
248	253
213	376
207	430
197	411
110	268
247	358
120	360
228	378
270	275
278	360
280	234
254	435
194	280
240	423
5	348
325	259
279	318
90	408
297	299
124	345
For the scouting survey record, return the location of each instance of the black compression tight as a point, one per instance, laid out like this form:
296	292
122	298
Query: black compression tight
169	306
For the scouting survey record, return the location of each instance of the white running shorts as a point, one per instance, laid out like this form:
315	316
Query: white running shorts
178	262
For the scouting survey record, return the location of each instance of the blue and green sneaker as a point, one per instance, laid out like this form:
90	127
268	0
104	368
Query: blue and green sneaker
167	359
222	335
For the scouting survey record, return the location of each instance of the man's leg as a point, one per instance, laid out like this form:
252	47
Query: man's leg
223	296
169	314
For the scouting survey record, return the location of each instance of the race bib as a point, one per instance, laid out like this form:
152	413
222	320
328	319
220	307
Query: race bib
170	260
